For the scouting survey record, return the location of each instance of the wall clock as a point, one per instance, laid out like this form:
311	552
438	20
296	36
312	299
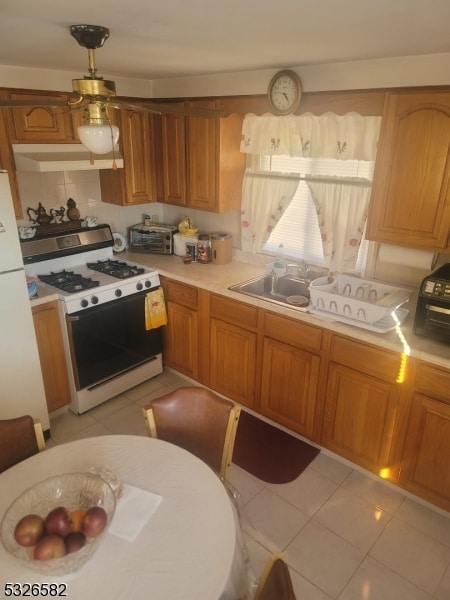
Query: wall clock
285	92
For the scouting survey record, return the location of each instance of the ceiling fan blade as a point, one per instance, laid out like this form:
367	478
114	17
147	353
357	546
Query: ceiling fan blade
171	109
33	103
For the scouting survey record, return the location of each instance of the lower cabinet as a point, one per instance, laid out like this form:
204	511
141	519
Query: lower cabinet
290	373
52	356
233	349
361	405
181	339
426	453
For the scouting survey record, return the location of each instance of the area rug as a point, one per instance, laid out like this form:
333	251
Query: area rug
268	452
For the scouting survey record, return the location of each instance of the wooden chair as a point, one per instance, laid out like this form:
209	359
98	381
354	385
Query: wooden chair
197	420
275	581
20	438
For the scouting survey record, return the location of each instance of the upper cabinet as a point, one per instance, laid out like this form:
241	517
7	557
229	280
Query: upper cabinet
136	182
40	124
201	165
410	203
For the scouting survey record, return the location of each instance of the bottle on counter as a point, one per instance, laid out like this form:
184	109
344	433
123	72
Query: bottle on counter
204	248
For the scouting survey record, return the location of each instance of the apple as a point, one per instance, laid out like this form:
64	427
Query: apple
29	530
59	522
94	521
48	547
74	541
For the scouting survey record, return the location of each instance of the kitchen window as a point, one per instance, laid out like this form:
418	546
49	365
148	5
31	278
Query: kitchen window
307	187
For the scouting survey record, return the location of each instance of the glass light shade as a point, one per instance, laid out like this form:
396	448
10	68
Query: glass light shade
99	139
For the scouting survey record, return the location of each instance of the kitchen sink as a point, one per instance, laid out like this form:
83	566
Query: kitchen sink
285	290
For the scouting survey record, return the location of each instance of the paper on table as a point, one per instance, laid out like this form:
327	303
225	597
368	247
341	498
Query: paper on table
133	511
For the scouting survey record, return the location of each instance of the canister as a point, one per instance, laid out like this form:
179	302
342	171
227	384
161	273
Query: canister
204	248
179	243
221	248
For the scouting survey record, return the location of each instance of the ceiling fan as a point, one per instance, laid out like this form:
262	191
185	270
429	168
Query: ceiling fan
95	95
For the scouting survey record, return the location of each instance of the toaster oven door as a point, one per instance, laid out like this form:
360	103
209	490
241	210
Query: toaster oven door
437	318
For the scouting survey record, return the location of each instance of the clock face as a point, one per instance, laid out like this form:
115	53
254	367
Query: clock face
285	92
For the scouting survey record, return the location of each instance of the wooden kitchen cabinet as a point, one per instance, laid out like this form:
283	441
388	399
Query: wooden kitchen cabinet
290	372
426	455
42	124
233	349
7	162
201	163
52	355
361	404
410	202
181	336
136	182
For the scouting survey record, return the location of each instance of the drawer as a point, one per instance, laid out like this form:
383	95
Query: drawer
183	294
292	332
433	382
372	360
233	311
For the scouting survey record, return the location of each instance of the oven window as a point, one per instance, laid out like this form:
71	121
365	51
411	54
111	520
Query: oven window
110	339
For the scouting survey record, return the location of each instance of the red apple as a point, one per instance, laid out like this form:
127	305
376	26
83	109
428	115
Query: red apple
94	521
29	530
50	546
74	541
59	522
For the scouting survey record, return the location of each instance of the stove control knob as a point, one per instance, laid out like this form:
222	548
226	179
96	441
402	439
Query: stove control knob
94	300
139	286
118	293
84	303
148	283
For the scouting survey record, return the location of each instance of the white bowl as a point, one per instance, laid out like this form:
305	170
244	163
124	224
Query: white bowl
71	490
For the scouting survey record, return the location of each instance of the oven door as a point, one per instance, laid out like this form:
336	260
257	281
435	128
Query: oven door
110	339
437	318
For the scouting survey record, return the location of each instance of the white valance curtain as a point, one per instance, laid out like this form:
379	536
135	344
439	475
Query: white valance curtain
341	205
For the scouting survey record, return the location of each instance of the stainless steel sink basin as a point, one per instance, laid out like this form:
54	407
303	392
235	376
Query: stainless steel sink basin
284	290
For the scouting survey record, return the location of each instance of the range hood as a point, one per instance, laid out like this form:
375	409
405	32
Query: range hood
62	157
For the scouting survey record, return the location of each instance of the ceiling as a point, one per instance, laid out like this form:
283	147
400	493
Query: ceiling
178	38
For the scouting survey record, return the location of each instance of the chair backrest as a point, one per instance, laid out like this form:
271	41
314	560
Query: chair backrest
20	438
197	420
275	582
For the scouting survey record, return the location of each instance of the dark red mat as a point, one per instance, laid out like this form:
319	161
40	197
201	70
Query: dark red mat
268	452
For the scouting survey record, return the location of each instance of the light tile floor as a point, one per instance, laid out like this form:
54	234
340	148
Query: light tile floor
345	535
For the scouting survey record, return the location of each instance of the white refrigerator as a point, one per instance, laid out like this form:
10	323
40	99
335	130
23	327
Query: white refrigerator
21	385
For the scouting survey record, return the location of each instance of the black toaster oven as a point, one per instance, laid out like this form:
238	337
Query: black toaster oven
153	239
432	317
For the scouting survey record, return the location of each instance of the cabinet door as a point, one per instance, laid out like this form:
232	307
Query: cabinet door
173	142
40	124
289	386
359	417
426	457
202	151
233	361
181	340
52	355
410	202
136	182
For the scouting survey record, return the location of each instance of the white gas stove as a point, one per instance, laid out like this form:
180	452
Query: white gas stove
105	309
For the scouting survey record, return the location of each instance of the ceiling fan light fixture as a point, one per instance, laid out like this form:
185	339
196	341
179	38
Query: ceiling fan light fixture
99	139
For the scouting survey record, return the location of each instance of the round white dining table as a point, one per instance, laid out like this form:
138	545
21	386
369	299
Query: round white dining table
187	549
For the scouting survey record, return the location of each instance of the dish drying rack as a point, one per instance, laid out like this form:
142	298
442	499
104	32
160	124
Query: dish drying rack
354	298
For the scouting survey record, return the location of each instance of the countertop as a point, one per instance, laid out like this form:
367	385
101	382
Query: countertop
218	278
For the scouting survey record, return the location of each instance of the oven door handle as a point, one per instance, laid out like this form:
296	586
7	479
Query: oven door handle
71	319
431	307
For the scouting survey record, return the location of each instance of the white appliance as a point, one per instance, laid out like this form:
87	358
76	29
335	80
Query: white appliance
22	387
104	303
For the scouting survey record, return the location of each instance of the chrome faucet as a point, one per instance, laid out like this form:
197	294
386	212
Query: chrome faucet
303	270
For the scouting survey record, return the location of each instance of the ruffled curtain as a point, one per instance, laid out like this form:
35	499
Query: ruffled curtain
263	203
344	137
341	206
342	212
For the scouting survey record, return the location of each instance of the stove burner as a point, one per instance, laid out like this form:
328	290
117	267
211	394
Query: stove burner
68	281
116	268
